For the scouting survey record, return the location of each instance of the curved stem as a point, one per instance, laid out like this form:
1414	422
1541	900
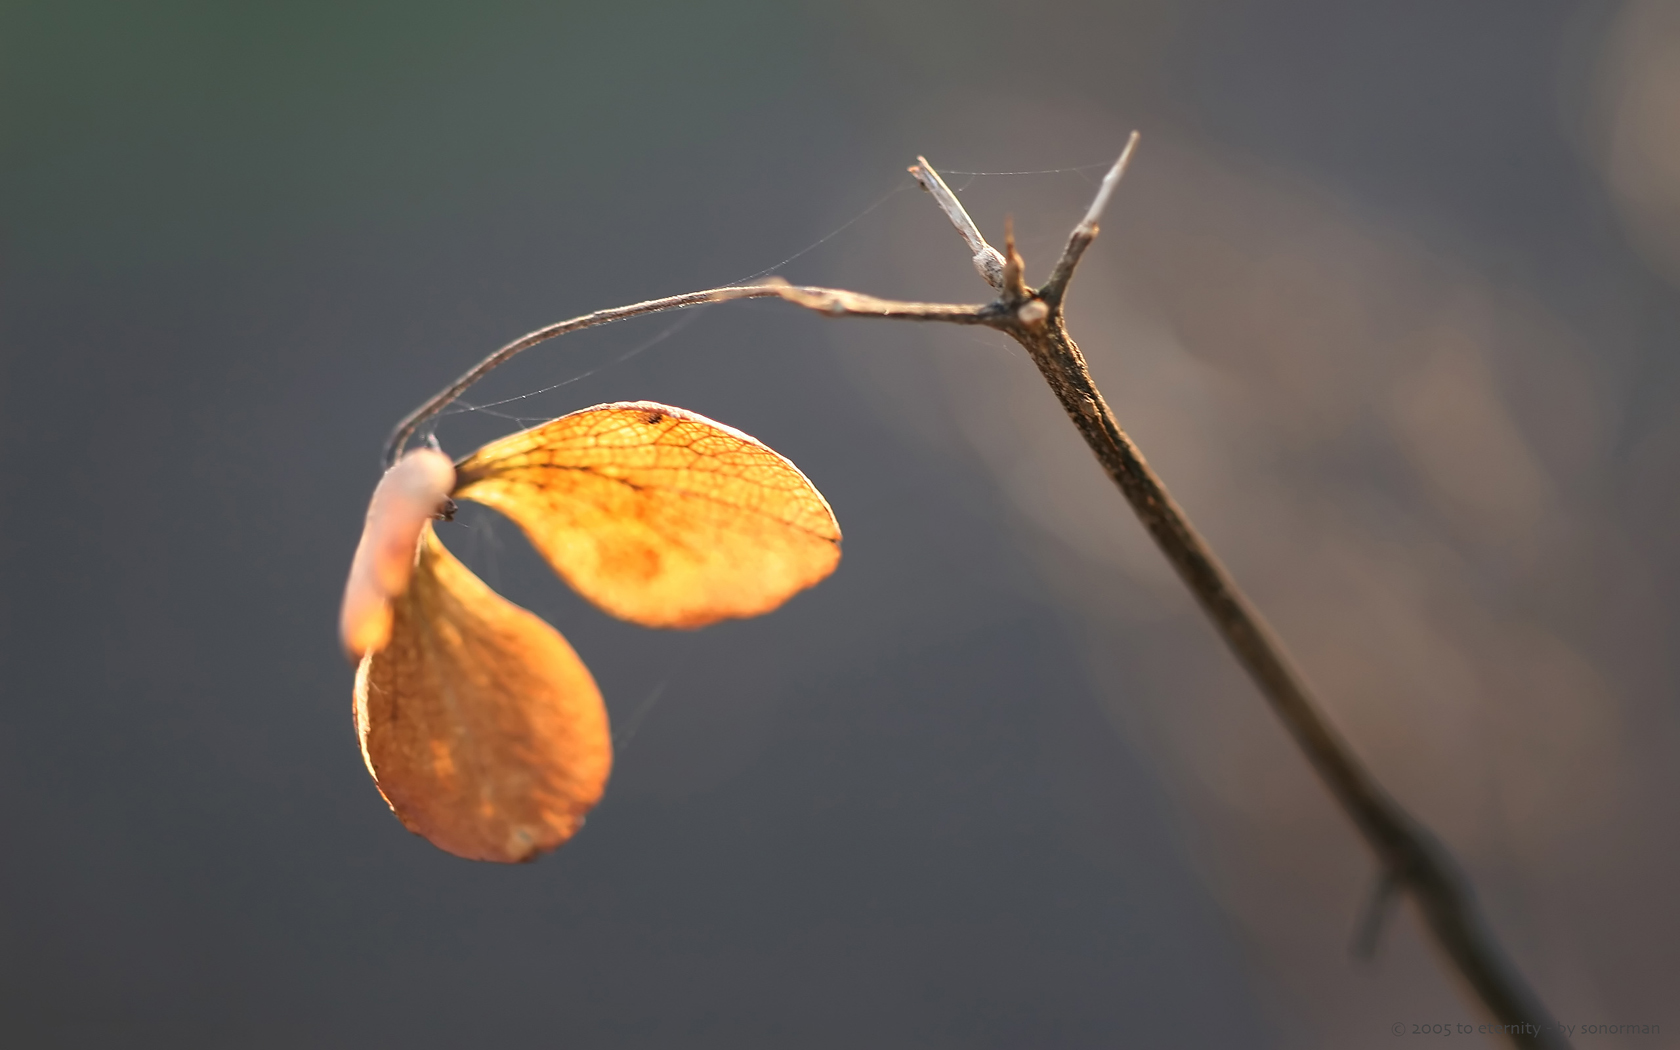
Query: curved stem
834	302
438	402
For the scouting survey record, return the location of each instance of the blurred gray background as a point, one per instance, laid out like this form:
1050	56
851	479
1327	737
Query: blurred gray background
1389	298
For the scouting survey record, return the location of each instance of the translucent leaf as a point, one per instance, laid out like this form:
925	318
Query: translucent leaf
482	728
657	515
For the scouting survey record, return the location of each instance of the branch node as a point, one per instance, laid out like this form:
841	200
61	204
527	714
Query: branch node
1033	312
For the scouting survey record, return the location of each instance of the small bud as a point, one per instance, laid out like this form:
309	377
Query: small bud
1033	312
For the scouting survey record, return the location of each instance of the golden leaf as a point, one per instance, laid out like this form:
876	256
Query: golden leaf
482	728
658	515
480	725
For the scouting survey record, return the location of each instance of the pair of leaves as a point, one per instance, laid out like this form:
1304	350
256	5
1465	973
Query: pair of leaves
480	725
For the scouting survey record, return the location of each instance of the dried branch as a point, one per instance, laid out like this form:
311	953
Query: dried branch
1408	852
1410	856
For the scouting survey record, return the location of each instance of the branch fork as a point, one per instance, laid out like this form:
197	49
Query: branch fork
1410	858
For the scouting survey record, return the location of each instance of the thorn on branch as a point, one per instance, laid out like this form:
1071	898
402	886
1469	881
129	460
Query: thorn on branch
1014	267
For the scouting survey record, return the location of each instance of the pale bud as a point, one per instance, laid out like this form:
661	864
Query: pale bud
408	496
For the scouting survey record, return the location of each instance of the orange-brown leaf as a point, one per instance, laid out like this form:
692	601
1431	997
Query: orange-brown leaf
482	728
658	515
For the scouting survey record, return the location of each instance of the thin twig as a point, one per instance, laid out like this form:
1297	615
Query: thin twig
1086	232
987	262
838	303
1411	857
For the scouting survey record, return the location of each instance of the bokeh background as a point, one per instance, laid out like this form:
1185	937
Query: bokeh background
1391	298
